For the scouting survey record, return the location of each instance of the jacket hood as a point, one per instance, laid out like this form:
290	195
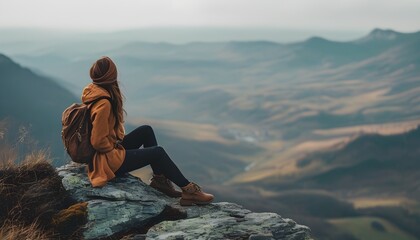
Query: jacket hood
92	92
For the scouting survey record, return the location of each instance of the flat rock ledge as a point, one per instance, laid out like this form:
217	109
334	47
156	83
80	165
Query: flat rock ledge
127	208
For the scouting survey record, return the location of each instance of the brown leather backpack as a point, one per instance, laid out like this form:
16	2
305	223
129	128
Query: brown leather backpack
76	131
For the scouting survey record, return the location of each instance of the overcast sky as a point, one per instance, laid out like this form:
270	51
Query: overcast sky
110	15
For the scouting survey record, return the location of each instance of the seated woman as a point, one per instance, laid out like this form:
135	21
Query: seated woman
118	153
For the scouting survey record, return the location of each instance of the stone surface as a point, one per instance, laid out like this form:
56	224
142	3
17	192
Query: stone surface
127	207
225	220
121	205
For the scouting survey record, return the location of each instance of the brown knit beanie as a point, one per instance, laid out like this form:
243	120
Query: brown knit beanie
103	71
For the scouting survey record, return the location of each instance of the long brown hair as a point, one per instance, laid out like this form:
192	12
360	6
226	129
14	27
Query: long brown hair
117	101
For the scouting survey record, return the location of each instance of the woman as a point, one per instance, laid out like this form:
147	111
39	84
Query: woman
118	153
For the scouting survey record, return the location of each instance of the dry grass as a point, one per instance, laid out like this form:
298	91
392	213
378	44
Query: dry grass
32	196
12	232
33	201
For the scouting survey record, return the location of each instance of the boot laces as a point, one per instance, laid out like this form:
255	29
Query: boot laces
198	188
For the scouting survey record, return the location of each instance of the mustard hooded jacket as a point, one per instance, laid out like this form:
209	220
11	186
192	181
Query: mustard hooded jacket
109	156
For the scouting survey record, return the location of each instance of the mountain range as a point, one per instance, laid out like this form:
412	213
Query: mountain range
294	127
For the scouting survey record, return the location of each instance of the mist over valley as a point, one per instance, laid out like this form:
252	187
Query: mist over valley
293	126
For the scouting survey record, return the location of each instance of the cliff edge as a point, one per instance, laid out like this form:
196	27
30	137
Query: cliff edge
128	208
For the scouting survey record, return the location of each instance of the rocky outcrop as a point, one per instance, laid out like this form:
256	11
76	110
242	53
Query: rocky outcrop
128	208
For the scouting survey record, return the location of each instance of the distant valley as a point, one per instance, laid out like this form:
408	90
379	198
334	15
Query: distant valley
290	127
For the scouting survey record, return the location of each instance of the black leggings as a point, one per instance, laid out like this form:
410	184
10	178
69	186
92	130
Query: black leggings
151	153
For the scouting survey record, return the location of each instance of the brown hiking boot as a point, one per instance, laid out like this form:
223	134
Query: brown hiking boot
162	184
192	194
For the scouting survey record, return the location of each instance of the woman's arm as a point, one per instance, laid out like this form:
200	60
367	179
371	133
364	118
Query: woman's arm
100	114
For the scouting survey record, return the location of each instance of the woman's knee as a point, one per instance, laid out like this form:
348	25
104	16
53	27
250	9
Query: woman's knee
146	128
160	150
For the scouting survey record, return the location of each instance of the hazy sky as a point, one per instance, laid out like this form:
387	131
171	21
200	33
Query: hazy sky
110	15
